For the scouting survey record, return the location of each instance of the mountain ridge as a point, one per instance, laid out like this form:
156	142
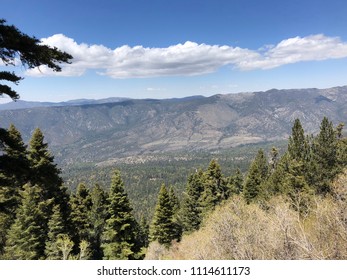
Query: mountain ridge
99	133
23	104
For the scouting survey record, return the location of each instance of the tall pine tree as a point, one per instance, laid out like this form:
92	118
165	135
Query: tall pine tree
215	187
191	211
97	218
81	204
163	227
119	237
56	231
257	174
14	172
46	175
26	237
325	149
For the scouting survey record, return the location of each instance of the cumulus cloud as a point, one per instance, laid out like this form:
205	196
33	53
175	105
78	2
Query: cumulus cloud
293	50
188	59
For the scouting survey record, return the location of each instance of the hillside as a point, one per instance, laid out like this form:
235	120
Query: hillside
101	133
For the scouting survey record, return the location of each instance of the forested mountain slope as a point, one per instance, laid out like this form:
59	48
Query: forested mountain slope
103	132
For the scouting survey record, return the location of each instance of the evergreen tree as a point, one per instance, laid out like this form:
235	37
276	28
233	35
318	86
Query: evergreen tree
296	187
191	212
235	182
14	163
46	175
43	170
26	237
176	214
97	217
298	147
144	232
275	183
215	187
81	204
326	156
56	230
119	237
341	147
163	226
14	170
257	174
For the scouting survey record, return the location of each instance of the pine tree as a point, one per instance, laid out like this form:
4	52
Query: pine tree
14	163
215	187
56	230
46	175
296	187
81	204
176	218
191	212
97	217
235	183
326	156
14	170
26	237
275	183
144	232
298	147
119	237
257	174
43	170
163	226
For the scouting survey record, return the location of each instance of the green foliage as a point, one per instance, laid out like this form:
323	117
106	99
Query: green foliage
235	183
298	147
16	45
191	212
14	162
257	174
215	188
64	244
81	204
325	147
43	169
97	217
45	173
163	227
14	172
119	237
26	237
56	230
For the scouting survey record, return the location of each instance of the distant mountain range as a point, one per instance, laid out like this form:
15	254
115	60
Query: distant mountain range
22	104
102	130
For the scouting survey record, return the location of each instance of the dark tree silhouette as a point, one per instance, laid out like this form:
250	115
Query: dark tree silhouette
16	45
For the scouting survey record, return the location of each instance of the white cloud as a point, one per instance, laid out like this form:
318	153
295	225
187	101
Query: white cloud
155	89
188	59
293	50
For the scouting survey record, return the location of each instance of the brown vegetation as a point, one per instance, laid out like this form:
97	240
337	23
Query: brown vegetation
237	230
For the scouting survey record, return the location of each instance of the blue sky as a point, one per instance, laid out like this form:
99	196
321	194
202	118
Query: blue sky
163	49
